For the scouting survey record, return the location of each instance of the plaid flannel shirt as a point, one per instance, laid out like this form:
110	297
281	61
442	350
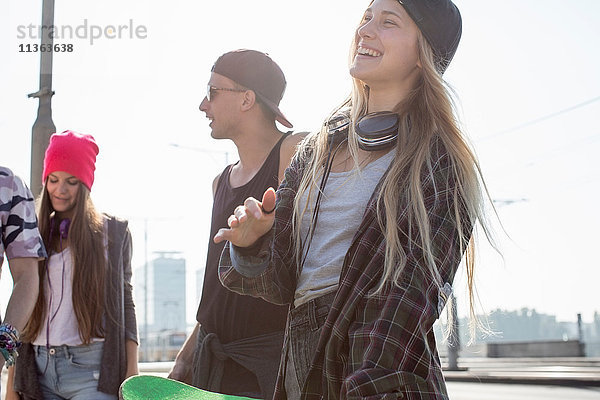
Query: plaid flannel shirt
372	346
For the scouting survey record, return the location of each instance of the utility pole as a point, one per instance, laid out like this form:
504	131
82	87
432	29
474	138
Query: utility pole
43	127
580	334
454	339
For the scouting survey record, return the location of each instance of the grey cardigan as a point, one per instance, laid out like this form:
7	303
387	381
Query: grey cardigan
121	326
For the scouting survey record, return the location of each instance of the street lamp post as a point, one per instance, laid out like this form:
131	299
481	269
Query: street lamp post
226	153
43	126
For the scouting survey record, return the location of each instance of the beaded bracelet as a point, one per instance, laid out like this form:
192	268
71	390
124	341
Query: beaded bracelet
9	343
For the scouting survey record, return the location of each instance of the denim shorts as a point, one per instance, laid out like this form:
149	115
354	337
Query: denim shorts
70	372
305	324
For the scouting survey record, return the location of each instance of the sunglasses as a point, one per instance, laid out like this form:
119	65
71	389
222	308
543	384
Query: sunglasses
211	90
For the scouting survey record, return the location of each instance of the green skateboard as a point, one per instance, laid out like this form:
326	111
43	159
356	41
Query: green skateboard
148	387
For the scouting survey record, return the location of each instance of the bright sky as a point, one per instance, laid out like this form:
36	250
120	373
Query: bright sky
519	61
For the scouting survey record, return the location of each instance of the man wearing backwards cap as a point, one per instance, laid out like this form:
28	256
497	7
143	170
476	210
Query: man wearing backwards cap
246	333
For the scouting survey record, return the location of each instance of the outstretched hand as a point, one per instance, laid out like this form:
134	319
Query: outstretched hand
249	221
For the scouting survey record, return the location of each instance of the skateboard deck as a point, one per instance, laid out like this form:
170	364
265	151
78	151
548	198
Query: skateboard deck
149	387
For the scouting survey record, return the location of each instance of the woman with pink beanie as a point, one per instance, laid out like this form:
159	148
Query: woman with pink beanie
81	340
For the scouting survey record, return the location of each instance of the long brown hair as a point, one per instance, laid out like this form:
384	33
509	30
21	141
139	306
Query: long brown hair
86	242
427	114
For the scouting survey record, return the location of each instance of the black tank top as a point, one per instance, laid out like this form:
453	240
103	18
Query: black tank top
227	314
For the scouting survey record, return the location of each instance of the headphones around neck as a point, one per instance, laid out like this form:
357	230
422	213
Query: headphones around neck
375	131
63	227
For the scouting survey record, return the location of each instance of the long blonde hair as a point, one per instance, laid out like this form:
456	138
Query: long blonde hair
86	241
426	115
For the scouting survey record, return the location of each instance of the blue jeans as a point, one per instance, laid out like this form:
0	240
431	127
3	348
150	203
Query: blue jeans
305	325
70	372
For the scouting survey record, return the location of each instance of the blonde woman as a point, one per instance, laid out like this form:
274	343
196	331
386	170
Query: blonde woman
81	340
371	222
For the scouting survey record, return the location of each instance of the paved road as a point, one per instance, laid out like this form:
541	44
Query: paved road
476	391
499	391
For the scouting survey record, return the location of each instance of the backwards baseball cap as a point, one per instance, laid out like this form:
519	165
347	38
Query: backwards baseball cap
258	72
73	153
441	24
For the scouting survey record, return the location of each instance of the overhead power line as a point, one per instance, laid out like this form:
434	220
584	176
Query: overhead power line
537	120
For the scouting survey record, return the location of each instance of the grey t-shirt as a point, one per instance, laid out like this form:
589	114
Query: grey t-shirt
342	207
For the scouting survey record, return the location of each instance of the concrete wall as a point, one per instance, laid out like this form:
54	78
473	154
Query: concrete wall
558	348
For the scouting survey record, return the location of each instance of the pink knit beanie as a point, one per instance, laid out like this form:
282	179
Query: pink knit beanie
73	153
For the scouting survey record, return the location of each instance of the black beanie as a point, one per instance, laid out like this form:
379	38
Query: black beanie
440	23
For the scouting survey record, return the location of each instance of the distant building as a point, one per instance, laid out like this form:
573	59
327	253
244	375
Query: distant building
166	296
163	327
524	325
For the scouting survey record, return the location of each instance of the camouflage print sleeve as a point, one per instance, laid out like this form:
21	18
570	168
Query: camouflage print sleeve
18	222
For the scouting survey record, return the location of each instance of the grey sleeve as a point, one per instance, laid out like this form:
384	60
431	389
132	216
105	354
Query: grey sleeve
254	260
